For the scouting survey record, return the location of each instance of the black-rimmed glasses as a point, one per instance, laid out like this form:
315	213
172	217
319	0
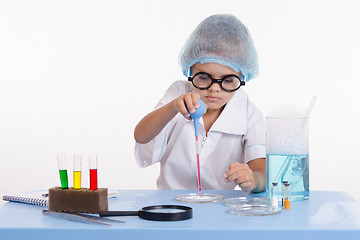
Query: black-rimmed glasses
229	83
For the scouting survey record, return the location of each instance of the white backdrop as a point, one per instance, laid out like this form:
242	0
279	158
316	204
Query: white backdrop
77	76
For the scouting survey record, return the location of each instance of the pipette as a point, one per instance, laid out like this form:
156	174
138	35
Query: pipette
196	116
199	197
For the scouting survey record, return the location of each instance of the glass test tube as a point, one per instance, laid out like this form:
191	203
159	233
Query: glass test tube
93	165
61	158
77	171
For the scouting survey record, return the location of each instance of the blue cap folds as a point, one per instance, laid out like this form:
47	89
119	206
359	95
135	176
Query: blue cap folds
221	39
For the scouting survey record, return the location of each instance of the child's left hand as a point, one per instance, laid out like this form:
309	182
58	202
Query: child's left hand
242	175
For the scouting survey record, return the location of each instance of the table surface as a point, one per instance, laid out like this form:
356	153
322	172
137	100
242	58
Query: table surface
325	215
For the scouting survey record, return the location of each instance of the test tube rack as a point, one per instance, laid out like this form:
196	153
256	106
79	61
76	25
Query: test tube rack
81	200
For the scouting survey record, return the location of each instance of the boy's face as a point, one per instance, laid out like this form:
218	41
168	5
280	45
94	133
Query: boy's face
214	97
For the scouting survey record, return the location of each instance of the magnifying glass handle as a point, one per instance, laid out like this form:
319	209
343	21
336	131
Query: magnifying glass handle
118	213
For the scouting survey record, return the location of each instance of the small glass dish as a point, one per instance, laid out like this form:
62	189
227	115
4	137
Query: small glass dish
254	210
199	198
246	201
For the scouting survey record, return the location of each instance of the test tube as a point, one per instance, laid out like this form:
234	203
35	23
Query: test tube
77	171
287	196
274	196
63	171
93	165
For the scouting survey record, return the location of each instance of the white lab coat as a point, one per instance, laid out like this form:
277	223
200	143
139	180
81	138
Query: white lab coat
237	135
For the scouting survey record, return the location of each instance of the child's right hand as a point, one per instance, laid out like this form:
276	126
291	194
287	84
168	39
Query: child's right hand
189	100
153	123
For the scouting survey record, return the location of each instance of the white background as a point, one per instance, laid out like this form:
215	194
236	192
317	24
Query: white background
77	76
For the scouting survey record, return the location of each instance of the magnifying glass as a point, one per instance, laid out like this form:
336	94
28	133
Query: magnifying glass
155	213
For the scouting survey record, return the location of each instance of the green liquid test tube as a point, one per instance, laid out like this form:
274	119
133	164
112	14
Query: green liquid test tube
63	171
64	179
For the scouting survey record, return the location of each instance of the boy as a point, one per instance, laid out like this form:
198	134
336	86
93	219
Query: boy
218	58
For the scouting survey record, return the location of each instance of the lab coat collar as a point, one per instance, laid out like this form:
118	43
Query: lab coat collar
234	117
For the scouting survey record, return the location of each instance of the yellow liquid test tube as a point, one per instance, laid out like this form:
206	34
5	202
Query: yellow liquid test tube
77	171
77	179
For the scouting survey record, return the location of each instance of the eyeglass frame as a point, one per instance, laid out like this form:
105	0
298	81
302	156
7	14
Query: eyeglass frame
220	81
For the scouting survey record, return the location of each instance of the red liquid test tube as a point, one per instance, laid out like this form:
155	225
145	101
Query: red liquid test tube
93	172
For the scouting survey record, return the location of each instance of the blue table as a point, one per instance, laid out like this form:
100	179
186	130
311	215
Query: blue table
326	215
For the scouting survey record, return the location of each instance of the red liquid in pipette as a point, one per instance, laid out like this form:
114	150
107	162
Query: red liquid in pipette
198	165
93	179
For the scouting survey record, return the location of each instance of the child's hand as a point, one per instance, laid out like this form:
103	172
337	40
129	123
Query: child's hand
189	100
242	175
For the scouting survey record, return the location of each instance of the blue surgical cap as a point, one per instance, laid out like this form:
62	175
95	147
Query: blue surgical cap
221	39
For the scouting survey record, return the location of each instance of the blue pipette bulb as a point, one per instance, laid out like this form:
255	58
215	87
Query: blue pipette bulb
197	115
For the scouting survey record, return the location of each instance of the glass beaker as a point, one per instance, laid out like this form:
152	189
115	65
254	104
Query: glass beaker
287	154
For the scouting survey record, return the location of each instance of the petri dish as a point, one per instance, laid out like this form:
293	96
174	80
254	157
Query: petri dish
254	210
245	201
199	198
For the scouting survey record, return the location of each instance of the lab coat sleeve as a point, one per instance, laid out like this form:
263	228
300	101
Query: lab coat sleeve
254	140
153	151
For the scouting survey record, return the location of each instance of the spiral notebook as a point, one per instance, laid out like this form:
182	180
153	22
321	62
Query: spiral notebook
40	198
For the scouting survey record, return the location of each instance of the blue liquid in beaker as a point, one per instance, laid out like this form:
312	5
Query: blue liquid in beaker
291	168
